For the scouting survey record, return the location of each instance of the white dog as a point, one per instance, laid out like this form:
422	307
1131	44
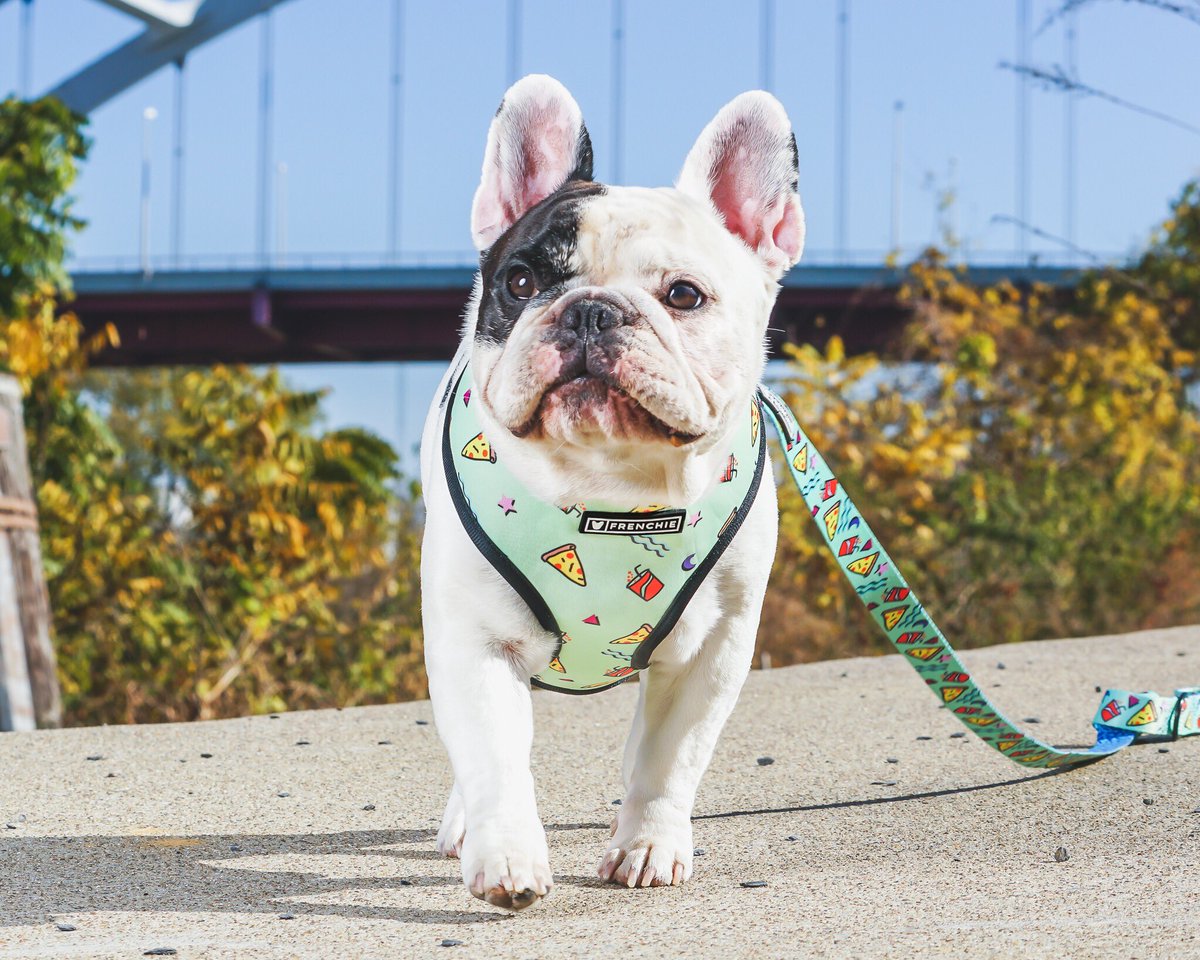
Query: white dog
602	405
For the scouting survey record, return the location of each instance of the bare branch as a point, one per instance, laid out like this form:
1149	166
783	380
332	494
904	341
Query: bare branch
1056	78
1044	235
1075	248
1068	6
1189	11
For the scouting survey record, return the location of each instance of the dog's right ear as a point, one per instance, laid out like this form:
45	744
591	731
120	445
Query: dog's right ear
537	142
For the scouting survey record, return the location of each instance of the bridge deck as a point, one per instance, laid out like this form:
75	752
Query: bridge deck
414	313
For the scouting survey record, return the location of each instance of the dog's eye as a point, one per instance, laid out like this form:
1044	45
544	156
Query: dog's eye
521	285
683	296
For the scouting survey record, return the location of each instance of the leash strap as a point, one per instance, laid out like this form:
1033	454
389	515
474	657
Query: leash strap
1123	717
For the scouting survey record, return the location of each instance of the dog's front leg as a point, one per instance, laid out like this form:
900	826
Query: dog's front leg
682	709
481	704
685	698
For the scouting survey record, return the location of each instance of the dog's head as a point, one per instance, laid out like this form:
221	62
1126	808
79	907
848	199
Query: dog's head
610	318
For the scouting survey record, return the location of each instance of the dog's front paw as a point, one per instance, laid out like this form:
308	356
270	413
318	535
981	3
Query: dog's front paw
454	823
651	846
506	866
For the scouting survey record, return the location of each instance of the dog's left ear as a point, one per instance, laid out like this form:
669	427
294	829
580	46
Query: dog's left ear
537	142
745	165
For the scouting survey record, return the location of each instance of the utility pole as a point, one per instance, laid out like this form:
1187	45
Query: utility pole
766	45
842	127
514	41
395	131
953	240
1022	157
149	115
25	51
897	168
1069	135
281	214
265	98
177	167
618	88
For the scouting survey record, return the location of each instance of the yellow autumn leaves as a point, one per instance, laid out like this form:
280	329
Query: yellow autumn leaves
1028	455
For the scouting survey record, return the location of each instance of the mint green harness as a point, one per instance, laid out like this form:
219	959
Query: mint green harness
609	579
612	580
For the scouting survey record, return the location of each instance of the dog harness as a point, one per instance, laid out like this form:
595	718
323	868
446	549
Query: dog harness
610	580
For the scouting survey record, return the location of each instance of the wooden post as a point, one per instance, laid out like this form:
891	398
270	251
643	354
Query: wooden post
29	693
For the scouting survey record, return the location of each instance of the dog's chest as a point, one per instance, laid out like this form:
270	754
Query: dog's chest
610	580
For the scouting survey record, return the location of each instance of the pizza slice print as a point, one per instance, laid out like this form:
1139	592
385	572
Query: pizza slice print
565	560
638	635
478	448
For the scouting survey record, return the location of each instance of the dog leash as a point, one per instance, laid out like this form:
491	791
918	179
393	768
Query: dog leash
1123	717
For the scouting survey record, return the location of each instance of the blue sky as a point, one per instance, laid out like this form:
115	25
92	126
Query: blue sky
938	56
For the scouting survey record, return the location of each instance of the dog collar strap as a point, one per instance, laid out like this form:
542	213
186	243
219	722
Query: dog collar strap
610	580
1123	717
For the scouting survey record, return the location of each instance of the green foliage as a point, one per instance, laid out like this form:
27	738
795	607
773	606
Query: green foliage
1039	478
40	145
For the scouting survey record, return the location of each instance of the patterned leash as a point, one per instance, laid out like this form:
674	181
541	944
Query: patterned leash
1122	718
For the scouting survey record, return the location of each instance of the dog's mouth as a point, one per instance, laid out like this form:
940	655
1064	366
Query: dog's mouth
588	401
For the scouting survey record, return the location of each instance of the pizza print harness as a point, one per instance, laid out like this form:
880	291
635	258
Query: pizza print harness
609	580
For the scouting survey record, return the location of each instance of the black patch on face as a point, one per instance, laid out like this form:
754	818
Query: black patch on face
544	241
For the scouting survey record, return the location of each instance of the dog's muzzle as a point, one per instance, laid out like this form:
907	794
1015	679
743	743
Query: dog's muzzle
588	333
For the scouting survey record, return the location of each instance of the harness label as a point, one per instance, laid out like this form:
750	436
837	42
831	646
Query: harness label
632	524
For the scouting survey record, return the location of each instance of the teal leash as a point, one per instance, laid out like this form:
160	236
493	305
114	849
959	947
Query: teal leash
1122	718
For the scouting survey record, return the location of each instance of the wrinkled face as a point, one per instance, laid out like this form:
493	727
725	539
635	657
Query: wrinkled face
619	315
611	317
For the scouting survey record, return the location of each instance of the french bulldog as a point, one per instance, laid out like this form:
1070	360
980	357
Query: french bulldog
616	336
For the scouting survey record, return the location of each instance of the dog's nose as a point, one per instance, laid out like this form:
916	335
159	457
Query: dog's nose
591	316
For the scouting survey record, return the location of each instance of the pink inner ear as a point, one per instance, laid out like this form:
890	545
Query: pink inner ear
747	186
735	195
788	234
546	160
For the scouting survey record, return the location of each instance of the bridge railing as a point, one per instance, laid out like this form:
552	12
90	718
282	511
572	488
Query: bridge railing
301	260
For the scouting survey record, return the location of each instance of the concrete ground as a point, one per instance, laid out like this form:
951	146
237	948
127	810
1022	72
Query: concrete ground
312	835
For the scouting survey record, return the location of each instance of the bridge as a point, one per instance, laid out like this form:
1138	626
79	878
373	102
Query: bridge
275	307
401	313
